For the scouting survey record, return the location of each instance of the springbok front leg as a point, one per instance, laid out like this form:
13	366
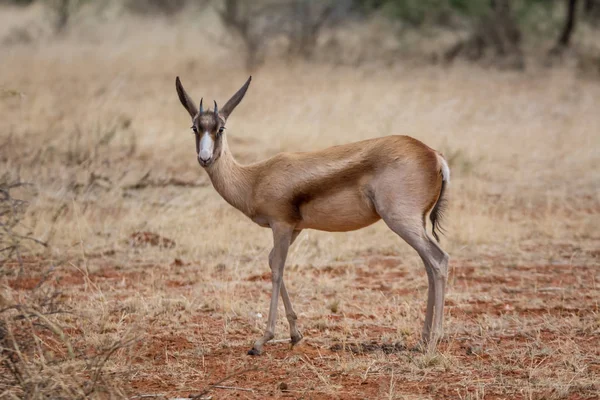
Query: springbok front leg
290	314
282	238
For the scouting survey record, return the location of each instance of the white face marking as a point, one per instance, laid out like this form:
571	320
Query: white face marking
207	145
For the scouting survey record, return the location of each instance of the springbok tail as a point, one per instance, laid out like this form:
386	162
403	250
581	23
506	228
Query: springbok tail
437	213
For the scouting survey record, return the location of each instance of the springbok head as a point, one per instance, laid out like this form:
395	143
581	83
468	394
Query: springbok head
209	125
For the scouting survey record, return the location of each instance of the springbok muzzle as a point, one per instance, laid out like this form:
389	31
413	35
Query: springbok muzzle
207	146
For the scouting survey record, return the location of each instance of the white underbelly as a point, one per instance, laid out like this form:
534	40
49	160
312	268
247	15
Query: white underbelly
343	211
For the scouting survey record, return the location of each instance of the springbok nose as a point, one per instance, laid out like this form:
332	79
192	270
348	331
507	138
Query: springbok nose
204	155
206	147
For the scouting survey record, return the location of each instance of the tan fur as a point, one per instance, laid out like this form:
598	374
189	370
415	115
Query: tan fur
331	189
342	188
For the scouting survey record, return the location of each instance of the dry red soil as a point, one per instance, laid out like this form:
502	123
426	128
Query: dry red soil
548	312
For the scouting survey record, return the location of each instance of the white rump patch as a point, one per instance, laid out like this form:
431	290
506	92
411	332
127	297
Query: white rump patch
445	169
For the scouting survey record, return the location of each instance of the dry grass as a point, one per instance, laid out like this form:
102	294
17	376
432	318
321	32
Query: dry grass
93	121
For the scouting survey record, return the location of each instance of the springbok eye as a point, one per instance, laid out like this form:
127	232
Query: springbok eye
221	129
195	129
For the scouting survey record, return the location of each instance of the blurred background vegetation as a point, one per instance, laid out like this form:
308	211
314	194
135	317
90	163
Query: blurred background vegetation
507	34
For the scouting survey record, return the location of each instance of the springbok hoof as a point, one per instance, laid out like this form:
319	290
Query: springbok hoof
253	352
296	339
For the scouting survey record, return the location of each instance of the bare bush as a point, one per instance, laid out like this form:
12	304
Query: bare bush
11	212
298	21
63	11
310	19
496	36
166	7
250	22
37	357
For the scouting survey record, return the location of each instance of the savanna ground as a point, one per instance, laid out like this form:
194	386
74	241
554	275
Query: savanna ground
150	265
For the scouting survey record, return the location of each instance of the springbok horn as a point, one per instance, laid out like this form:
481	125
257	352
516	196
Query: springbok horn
201	108
216	109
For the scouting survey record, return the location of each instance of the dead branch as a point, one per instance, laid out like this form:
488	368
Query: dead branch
308	24
566	33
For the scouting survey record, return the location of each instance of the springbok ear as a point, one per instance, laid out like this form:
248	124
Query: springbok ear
234	100
187	102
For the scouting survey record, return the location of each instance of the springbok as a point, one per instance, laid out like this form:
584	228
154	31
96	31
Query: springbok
395	178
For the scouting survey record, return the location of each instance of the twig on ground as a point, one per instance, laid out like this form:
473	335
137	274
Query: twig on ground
550	289
238	373
233	388
146	182
190	398
280	341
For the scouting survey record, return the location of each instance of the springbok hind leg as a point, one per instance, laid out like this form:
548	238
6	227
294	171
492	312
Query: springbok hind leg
441	276
412	230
